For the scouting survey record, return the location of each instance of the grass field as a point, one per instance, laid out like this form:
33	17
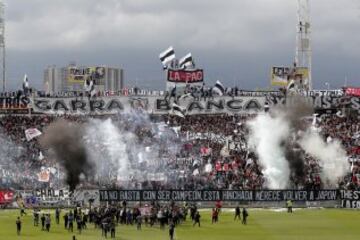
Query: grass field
317	224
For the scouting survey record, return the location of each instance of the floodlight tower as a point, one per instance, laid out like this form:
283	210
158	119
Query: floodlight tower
2	45
303	52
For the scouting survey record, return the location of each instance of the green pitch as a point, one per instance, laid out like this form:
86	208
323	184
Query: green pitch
262	224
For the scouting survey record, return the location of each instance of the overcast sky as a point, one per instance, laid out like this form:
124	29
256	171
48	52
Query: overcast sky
236	41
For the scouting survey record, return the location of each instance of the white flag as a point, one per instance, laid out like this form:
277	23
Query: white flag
32	133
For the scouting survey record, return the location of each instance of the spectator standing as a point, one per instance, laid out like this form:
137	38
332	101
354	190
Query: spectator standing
66	218
48	222
237	213
289	205
43	222
57	215
245	214
171	230
18	226
197	219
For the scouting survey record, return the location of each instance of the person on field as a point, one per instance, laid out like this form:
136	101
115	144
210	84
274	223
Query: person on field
79	223
138	222
84	221
66	218
105	227
36	218
48	222
289	205
245	214
71	222
237	213
197	219
214	215
18	226
42	222
171	230
112	229
57	215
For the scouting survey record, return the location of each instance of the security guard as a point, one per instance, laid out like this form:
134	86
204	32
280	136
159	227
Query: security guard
289	205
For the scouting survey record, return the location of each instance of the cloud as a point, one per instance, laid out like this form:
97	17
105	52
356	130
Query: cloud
256	32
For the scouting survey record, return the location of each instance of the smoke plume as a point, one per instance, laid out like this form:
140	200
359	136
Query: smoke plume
295	110
66	140
109	149
266	136
273	137
280	148
128	149
8	150
331	155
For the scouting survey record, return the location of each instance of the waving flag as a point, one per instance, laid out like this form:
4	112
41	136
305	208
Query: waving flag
178	110
90	87
26	86
291	86
219	88
186	61
167	56
32	133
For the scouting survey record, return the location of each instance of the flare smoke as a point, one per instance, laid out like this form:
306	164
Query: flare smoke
66	140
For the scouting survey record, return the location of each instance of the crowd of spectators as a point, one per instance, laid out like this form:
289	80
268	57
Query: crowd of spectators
201	162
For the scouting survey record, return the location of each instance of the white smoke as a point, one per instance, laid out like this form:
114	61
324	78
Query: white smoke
120	155
266	136
332	157
106	148
8	150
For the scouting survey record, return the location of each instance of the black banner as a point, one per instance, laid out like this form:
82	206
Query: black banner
219	195
14	105
350	199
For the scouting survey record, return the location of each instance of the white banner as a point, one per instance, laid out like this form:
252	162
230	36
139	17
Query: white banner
151	105
160	105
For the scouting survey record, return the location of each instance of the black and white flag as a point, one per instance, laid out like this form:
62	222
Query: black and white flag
90	87
178	110
184	96
186	61
266	107
173	92
219	88
26	86
167	56
291	86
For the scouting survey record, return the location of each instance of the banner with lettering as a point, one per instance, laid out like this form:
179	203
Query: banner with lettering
352	91
350	199
150	104
218	195
160	105
185	75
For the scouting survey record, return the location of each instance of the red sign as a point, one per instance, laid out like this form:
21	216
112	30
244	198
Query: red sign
185	76
6	196
352	91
